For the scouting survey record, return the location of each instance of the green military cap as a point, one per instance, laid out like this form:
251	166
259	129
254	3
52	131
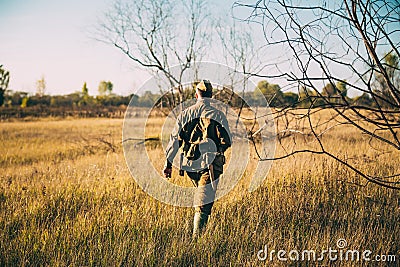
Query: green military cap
204	86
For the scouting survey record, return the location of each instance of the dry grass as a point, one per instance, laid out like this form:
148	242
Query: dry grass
67	199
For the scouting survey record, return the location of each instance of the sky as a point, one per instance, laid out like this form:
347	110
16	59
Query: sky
52	38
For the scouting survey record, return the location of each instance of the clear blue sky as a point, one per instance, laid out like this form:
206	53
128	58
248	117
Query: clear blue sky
52	38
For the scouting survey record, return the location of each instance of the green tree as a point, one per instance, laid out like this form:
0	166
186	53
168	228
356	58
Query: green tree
85	100
363	100
382	89
333	92
17	97
4	80
391	61
305	96
271	92
24	102
329	90
257	98
342	88
105	88
290	98
148	99
85	90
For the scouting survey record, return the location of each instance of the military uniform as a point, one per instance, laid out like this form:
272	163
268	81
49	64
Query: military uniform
202	133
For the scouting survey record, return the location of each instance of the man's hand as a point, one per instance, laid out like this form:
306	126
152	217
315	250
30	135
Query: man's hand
167	172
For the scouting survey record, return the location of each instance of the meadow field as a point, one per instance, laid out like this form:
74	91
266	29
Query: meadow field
68	199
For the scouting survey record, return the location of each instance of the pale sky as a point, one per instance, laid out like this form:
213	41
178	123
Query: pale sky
52	38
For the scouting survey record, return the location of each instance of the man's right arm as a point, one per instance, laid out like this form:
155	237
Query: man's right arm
172	148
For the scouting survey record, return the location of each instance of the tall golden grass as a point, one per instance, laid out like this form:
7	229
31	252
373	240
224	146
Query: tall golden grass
67	199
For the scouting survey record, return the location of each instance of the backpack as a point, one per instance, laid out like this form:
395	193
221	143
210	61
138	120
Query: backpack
202	135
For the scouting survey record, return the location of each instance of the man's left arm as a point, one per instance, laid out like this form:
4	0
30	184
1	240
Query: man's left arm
225	135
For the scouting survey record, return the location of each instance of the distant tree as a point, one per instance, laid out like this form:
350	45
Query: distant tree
363	100
40	87
332	93
306	95
85	90
257	98
4	80
290	98
342	88
329	90
271	92
24	102
43	100
85	100
305	92
133	99
17	98
386	96
73	99
148	99
105	88
62	101
228	96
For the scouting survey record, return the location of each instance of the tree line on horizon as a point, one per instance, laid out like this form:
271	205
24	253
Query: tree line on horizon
267	93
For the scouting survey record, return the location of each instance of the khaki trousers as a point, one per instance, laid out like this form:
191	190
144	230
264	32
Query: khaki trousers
204	195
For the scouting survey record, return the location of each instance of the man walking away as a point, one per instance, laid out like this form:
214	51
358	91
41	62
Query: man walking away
202	135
